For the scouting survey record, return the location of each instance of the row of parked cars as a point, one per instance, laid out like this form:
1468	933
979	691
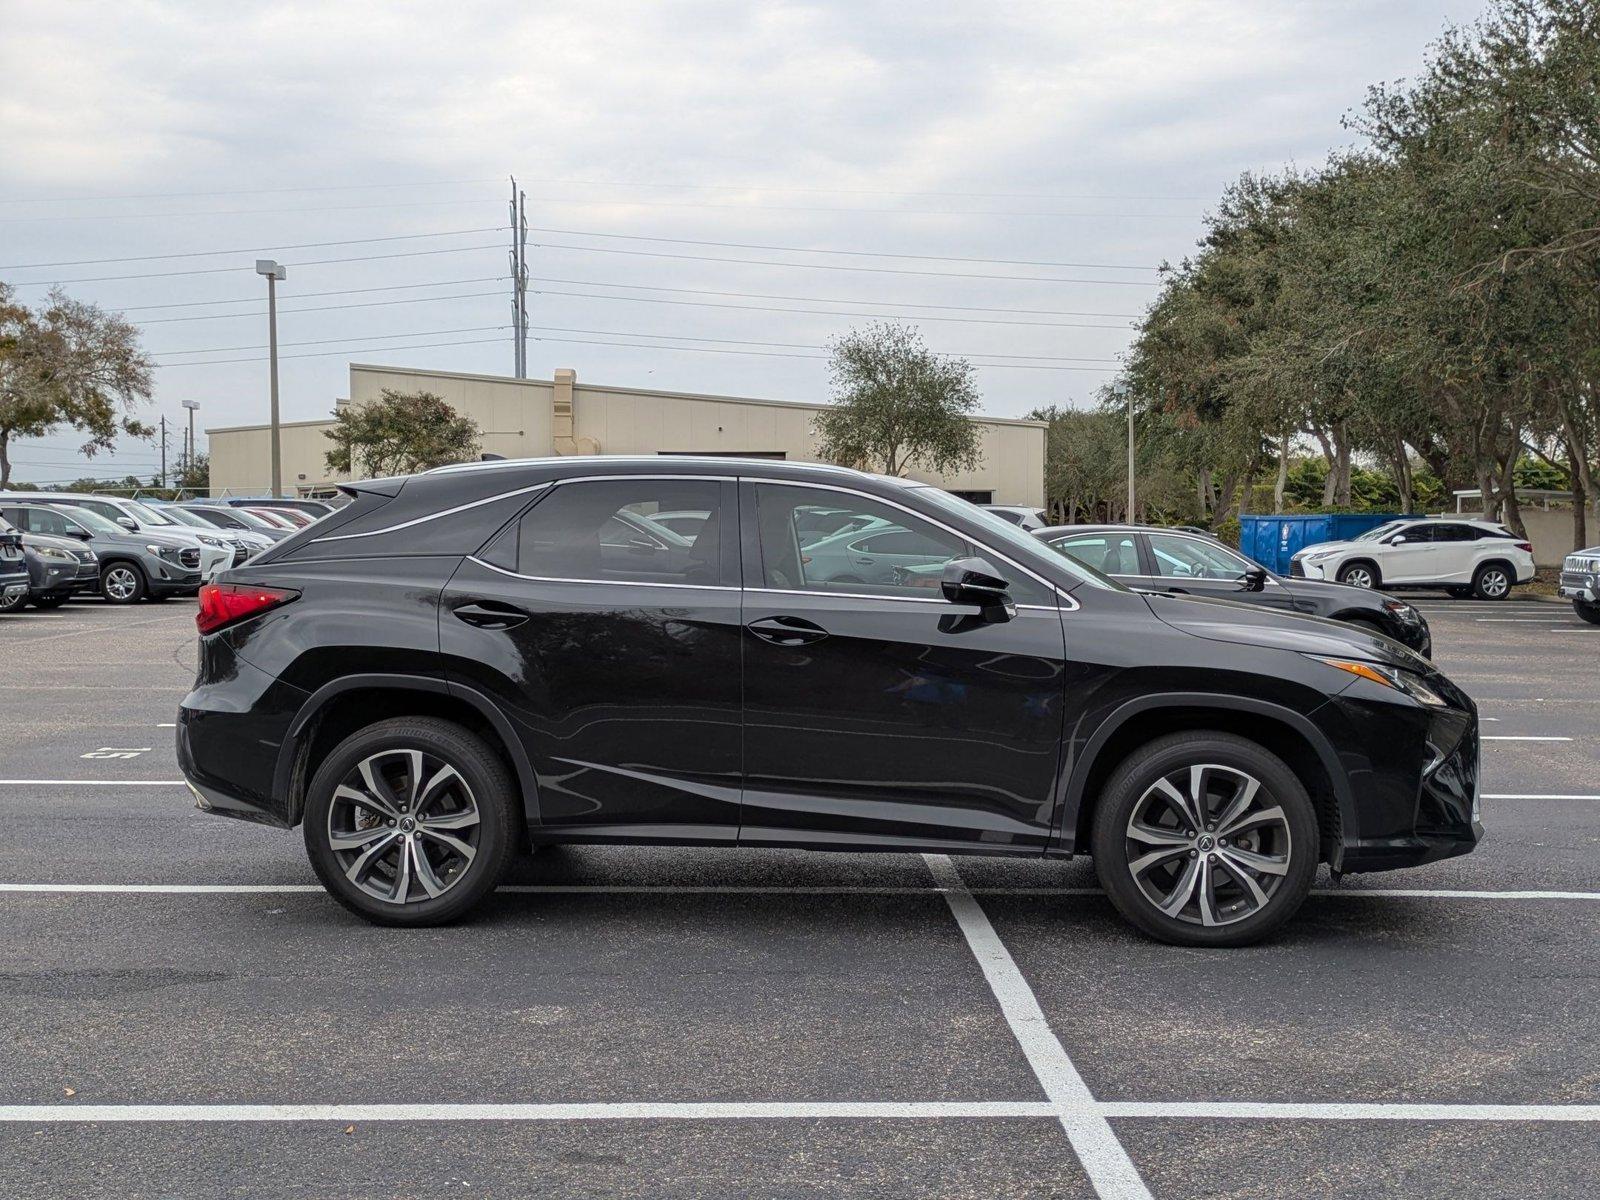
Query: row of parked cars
56	545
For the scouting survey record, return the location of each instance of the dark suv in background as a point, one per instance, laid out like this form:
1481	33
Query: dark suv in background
462	661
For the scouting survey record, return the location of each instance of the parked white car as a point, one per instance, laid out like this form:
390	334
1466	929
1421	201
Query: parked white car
1464	557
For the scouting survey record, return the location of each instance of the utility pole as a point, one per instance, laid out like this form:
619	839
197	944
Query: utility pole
518	258
163	452
191	405
274	272
1132	497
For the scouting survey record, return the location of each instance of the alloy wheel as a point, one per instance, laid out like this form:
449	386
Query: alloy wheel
1208	845
1358	577
120	584
403	826
1493	583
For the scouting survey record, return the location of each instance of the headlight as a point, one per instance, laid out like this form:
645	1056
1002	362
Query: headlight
1401	611
52	554
1408	682
1316	554
156	550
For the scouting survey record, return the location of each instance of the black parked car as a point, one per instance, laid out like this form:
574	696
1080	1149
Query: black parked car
13	569
1183	562
469	658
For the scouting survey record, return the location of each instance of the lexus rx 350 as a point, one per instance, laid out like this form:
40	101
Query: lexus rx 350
466	661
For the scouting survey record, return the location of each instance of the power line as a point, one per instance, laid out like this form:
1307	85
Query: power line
793	345
256	315
402	237
817	357
641	287
310	262
393	287
341	353
331	341
1013	262
346	187
823	312
236	212
764	262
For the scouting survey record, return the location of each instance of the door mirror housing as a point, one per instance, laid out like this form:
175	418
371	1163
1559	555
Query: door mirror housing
129	524
974	581
1398	539
1254	579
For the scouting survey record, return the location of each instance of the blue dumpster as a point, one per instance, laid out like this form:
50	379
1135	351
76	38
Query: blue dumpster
1272	540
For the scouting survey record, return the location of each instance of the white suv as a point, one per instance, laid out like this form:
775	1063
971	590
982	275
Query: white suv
1464	557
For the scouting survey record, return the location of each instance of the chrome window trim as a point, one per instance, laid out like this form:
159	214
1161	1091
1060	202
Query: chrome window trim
832	487
695	587
345	537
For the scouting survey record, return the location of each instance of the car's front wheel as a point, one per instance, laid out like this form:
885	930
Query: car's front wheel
11	601
1359	574
122	583
1587	612
409	821
1491	582
1205	839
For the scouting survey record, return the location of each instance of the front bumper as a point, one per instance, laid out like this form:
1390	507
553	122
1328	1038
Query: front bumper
1576	585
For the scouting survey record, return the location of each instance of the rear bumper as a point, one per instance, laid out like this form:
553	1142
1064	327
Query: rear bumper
229	735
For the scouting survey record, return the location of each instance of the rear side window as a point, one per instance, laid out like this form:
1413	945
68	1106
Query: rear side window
603	530
1454	533
1112	554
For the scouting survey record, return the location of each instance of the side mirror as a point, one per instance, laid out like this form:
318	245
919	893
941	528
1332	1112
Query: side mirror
973	581
129	524
1255	579
83	535
1398	539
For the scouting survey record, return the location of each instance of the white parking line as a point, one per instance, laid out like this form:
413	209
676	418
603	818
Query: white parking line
1111	1172
1509	737
52	637
1249	1111
92	783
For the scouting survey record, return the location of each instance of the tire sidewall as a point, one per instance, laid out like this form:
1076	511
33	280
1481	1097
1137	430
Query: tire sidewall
492	789
1161	757
1587	612
140	587
1371	571
1485	571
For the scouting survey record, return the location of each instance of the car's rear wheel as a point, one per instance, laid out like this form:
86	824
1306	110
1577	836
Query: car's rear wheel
1205	839
1359	574
409	821
11	601
1491	582
1587	612
122	583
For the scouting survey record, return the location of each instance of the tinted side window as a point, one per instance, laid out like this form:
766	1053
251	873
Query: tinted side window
1183	557
602	530
1110	554
1454	533
878	550
1416	534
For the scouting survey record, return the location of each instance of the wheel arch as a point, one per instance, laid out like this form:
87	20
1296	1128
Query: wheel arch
1505	564
339	708
1284	732
1361	561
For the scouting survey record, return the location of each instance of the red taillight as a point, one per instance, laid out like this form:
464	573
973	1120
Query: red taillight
1528	546
222	604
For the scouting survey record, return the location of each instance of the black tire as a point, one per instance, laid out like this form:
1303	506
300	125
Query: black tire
1493	581
1367	625
1361	574
123	583
49	601
1587	612
1460	593
489	789
1133	787
158	597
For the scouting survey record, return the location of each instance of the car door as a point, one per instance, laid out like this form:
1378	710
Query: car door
879	714
1455	552
1407	556
619	673
1196	566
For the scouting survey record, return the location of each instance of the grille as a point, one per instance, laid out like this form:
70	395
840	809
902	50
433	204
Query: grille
189	558
1297	569
240	553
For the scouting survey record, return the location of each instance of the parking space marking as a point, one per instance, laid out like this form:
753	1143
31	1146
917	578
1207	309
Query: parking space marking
51	637
92	783
1273	1111
1111	1172
1511	737
597	1111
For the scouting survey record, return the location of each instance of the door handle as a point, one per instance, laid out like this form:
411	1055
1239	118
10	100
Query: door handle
490	614
787	631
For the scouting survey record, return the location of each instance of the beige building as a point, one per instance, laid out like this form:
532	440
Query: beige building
532	418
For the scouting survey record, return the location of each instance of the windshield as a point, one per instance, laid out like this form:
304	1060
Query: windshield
1007	536
89	519
146	516
247	519
187	518
1383	530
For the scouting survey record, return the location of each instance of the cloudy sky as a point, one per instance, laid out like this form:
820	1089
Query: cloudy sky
1006	175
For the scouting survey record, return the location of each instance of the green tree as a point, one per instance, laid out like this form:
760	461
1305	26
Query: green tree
898	405
399	433
69	365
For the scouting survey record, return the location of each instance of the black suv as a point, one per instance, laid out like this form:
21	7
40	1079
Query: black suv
466	661
1184	562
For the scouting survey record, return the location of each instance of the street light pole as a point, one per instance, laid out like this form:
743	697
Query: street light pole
274	272
191	405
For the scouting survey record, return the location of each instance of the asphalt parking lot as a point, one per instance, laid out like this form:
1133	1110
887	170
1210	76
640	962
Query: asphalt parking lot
189	1016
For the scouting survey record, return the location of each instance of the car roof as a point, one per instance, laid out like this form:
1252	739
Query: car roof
1097	528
